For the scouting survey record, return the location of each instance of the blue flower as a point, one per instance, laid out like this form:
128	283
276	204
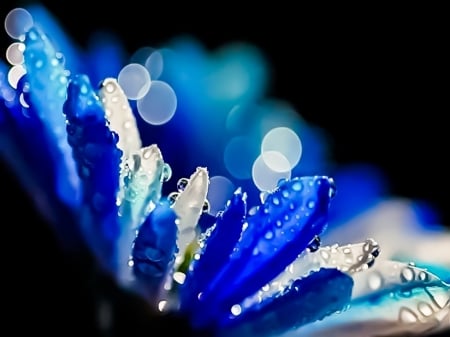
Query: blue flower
240	244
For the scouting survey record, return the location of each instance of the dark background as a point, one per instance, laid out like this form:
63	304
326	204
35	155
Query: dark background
375	78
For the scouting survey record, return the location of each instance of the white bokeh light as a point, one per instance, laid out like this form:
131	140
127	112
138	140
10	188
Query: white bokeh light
285	141
264	176
135	81
158	106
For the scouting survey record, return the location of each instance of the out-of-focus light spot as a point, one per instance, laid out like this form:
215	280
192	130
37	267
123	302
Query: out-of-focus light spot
14	53
135	81
17	22
285	141
233	117
155	64
15	74
238	156
158	106
220	191
264	177
141	55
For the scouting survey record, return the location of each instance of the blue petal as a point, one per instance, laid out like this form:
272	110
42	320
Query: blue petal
307	300
215	249
154	249
37	161
46	88
98	159
271	239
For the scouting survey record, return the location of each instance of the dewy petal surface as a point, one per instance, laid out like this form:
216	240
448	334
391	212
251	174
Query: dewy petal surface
216	245
47	81
306	300
98	162
273	237
154	250
397	298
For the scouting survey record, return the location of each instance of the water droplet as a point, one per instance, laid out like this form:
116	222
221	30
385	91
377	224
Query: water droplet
407	275
236	310
172	197
325	255
206	207
424	276
375	281
285	194
161	305
297	186
275	201
263	196
110	87
314	245
278	223
268	235
333	190
311	204
166	172
182	183
406	315
425	309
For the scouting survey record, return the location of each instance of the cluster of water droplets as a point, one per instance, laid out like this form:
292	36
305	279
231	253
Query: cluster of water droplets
293	215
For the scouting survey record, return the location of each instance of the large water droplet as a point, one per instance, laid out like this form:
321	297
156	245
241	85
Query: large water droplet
182	183
425	309
375	281
406	315
407	275
166	173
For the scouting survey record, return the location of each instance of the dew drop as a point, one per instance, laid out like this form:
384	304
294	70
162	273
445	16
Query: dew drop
297	186
314	245
425	309
333	190
236	310
182	183
255	251
268	235
325	255
206	207
375	281
166	173
110	87
311	204
406	315
423	276
407	275
172	197
275	201
278	224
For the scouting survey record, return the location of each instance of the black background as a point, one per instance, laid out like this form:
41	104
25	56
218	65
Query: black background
375	78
